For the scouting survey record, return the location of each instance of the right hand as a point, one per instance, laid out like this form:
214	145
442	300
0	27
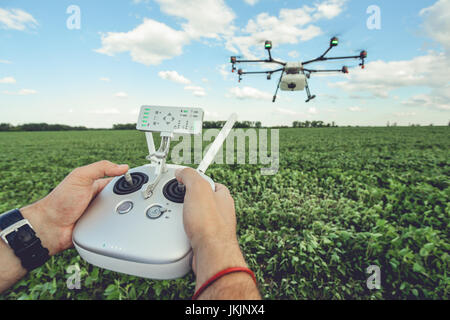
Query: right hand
210	223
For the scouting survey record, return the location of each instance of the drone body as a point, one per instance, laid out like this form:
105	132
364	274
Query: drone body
294	76
293	79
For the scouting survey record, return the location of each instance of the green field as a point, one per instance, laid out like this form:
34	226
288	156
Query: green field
343	199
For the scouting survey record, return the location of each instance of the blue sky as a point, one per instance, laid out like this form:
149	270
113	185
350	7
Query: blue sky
176	53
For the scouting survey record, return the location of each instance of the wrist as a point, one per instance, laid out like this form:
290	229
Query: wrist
48	233
215	255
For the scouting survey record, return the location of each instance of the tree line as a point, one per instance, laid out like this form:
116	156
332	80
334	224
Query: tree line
39	127
206	125
313	124
132	126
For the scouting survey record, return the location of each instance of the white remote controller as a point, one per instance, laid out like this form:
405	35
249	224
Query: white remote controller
135	225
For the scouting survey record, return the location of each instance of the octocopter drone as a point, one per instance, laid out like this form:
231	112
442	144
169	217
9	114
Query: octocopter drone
293	74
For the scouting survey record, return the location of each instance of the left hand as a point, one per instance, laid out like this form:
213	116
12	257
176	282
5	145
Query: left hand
54	217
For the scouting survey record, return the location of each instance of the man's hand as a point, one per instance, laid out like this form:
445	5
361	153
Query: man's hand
54	217
210	223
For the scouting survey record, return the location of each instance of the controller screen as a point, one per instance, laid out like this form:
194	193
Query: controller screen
170	119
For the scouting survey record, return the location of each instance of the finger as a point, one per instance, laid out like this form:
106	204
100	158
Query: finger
100	184
223	196
225	203
221	188
188	176
99	170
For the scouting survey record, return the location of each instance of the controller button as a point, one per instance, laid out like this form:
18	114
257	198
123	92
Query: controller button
155	211
124	207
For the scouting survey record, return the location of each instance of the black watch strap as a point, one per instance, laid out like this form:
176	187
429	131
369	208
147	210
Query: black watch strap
20	236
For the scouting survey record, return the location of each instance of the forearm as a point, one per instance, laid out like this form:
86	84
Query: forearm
11	269
212	258
233	286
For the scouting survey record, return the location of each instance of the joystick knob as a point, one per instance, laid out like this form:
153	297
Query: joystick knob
181	188
174	191
129	179
130	182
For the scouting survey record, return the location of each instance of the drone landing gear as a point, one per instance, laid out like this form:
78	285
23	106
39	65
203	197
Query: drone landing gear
278	87
308	92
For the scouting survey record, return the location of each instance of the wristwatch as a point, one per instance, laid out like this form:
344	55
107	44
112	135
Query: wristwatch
18	233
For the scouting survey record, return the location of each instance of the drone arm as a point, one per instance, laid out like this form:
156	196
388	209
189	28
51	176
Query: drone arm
324	54
329	70
261	72
322	58
245	61
261	61
340	58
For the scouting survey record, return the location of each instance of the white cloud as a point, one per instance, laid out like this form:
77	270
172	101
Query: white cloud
223	70
22	92
174	77
427	71
437	99
404	114
196	90
5	61
249	93
205	18
437	22
177	78
293	54
105	79
149	43
121	94
288	112
381	77
213	115
251	2
8	80
313	110
105	111
16	19
329	9
152	42
289	27
354	109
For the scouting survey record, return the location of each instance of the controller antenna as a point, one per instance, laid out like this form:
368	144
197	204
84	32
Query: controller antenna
217	144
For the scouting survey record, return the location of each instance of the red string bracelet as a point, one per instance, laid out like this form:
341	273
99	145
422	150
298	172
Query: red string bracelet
220	275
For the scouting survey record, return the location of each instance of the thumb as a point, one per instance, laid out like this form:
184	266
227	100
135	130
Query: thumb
187	176
99	170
